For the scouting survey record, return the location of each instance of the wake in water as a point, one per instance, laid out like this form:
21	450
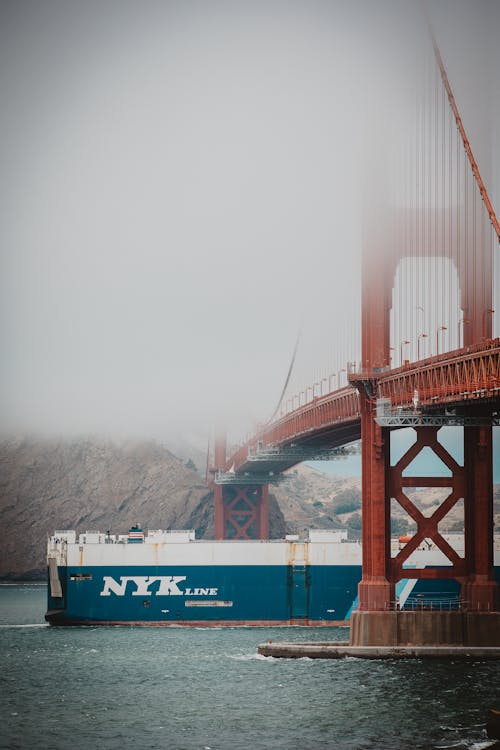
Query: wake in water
25	584
28	625
467	745
252	657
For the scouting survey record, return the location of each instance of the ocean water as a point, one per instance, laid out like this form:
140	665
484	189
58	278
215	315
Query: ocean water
207	689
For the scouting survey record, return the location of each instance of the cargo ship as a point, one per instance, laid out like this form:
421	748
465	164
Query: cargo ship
170	578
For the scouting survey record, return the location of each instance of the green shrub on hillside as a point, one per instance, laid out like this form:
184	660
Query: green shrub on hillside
347	501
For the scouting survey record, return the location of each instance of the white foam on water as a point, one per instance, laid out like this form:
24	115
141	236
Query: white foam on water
251	657
28	625
208	627
25	584
472	745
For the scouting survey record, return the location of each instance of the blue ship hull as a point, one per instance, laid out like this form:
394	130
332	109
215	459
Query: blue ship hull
222	595
250	595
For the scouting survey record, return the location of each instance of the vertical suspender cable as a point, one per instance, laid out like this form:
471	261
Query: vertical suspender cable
465	140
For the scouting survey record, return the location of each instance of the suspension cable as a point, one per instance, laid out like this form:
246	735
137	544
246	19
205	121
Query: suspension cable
290	369
465	140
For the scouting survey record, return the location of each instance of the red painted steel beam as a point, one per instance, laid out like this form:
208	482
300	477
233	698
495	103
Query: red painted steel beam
433	574
375	590
219	463
480	589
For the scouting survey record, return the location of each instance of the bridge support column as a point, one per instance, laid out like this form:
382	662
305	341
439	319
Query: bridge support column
219	465
241	510
375	591
264	512
480	591
477	621
218	511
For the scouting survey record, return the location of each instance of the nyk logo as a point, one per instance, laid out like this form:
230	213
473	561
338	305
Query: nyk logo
167	586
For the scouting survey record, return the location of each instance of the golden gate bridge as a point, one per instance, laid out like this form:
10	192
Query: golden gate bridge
427	359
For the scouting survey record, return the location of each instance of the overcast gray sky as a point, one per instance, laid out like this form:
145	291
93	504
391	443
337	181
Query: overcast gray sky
180	192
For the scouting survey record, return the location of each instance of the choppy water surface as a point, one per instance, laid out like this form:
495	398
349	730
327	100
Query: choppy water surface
195	689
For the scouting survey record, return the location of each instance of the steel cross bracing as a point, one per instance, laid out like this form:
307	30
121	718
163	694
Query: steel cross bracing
245	478
415	419
266	464
276	454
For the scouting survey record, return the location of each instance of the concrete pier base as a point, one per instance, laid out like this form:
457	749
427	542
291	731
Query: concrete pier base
337	650
425	628
404	635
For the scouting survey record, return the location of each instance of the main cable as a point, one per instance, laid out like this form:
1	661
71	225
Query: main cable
290	370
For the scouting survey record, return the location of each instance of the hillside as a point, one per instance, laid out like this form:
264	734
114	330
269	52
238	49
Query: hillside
312	499
88	484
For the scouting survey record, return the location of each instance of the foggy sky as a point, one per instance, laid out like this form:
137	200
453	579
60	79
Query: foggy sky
180	193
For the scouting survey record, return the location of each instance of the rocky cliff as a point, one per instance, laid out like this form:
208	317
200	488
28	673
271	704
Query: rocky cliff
87	484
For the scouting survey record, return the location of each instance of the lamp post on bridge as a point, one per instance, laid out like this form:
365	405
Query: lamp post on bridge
463	322
485	313
420	336
330	380
338	375
441	328
323	380
405	342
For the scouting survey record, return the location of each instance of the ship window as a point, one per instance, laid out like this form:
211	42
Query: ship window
81	577
206	603
146	603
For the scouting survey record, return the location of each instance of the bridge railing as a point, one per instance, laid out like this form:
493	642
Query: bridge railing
457	377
